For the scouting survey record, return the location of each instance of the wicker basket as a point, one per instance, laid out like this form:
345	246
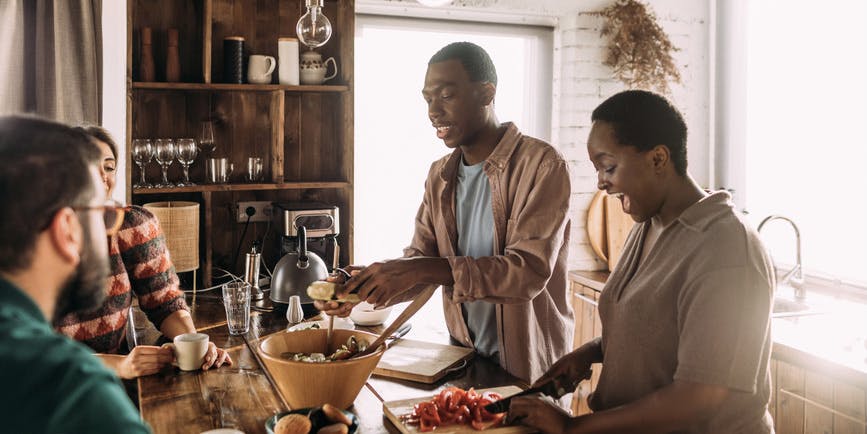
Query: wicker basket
180	224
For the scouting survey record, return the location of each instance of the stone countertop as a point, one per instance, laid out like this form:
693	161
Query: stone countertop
831	340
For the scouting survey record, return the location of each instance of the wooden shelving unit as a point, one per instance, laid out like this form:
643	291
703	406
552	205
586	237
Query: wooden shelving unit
242	187
304	134
238	87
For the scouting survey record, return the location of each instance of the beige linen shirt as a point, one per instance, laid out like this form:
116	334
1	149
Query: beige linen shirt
697	309
526	277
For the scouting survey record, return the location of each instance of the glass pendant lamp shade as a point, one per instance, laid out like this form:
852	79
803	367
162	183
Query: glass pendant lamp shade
313	28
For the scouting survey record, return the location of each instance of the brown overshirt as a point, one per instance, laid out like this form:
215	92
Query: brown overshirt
526	277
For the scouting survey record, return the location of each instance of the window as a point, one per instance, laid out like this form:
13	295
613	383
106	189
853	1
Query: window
805	148
394	141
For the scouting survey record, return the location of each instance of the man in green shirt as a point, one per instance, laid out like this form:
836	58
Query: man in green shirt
53	260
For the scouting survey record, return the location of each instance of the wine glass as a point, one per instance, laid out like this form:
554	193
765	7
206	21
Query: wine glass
206	138
186	153
165	154
142	153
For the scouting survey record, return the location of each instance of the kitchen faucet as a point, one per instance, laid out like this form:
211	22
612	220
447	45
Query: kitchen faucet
795	276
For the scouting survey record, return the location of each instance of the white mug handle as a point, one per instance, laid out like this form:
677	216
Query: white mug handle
333	74
174	352
273	64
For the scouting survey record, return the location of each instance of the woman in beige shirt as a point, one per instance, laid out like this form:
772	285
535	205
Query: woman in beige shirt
685	314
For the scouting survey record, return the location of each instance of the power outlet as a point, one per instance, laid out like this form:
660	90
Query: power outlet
262	211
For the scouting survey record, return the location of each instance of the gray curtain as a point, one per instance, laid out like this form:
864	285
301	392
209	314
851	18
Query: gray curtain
51	59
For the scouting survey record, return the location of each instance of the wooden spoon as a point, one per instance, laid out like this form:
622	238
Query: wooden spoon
407	313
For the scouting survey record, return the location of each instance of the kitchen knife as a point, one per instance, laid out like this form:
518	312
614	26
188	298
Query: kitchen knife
548	388
404	329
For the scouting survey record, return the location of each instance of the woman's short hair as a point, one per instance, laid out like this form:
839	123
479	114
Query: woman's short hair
644	119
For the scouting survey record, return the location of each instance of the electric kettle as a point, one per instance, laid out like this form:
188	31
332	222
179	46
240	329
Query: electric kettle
295	271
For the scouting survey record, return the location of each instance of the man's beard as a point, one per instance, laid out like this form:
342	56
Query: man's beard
86	289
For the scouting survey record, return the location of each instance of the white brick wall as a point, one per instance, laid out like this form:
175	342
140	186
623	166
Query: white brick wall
581	82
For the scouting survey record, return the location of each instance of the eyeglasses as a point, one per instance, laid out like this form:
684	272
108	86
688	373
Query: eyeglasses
112	215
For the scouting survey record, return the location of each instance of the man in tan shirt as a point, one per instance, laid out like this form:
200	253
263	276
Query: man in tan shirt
492	229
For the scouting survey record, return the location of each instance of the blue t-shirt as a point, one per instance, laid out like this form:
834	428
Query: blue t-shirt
475	222
52	384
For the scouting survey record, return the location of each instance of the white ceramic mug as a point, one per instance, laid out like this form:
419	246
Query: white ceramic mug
287	57
190	350
259	69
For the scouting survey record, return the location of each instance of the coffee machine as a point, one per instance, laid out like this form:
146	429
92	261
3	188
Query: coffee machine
308	250
321	221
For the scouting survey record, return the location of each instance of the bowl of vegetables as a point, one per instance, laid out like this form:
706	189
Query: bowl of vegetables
308	374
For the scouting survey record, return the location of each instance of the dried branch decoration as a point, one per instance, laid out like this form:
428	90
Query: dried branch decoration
639	51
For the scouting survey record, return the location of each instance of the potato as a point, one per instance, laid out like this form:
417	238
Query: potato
320	290
335	415
292	424
337	428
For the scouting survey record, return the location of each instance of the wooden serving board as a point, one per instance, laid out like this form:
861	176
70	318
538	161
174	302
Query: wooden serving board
394	409
617	227
424	362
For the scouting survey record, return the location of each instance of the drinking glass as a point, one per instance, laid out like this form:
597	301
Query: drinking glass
186	154
236	299
165	154
142	153
206	138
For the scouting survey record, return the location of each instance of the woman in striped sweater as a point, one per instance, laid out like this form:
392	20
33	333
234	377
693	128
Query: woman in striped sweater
140	267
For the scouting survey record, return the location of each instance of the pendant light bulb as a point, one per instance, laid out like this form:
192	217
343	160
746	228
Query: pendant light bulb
313	28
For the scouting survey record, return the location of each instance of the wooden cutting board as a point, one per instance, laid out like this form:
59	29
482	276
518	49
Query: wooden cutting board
607	227
394	409
617	227
424	362
596	225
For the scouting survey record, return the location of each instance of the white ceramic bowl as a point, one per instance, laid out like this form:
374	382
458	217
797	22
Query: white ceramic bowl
364	314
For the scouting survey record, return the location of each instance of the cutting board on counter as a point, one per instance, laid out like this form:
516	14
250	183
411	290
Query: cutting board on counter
607	227
394	409
424	362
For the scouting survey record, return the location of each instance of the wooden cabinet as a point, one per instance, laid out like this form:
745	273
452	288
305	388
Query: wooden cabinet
805	402
304	134
587	327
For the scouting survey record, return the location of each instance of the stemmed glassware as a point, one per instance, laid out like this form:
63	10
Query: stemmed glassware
186	153
206	138
142	153
165	154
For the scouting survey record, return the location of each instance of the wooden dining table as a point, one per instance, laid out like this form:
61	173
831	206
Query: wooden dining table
243	396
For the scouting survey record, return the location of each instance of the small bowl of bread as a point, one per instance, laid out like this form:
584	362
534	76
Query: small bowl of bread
326	419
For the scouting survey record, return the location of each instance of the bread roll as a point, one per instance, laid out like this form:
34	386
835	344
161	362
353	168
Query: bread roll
335	415
292	424
337	428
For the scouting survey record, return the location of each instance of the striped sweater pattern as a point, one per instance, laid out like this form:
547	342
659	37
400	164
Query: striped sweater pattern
140	266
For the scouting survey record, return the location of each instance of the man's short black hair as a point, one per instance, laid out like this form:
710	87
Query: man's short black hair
44	166
474	58
644	119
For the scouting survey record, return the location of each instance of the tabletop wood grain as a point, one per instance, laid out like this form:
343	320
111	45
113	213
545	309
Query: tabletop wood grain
243	396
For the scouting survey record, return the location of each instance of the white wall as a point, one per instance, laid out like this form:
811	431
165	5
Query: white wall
581	81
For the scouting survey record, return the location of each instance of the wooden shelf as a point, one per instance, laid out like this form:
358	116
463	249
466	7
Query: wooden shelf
237	87
243	187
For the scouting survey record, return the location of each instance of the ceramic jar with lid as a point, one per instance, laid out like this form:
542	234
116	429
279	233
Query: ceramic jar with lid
312	69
